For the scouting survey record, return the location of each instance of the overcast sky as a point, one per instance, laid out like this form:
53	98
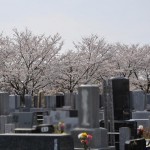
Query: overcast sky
125	21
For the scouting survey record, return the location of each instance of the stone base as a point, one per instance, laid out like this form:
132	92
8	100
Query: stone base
100	137
36	142
107	148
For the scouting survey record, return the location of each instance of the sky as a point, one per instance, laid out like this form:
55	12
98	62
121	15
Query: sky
125	21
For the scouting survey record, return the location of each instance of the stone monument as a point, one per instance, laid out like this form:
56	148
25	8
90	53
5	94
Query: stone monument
88	110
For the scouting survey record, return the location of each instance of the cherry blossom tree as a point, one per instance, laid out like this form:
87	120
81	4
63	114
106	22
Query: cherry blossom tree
25	70
141	78
81	65
132	61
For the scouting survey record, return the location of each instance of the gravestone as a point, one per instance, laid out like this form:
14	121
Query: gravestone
12	103
132	124
135	144
76	101
125	134
18	101
121	98
88	104
148	102
88	110
101	103
35	101
24	119
138	99
60	100
41	102
4	103
53	101
147	98
50	102
28	101
3	121
47	101
70	100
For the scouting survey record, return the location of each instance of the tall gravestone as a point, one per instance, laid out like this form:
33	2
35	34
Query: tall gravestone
14	102
138	99
4	103
148	102
28	101
35	101
88	111
18	101
88	106
3	121
41	102
70	100
121	98
147	98
60	100
50	101
47	101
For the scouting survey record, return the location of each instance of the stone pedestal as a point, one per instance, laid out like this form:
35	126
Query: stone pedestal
100	137
36	142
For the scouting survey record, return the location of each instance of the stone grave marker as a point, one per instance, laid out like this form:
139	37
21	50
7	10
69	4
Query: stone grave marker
88	110
50	102
47	101
147	98
24	119
121	98
138	99
35	101
3	121
60	100
135	144
14	102
125	134
70	100
88	106
28	101
4	103
41	100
